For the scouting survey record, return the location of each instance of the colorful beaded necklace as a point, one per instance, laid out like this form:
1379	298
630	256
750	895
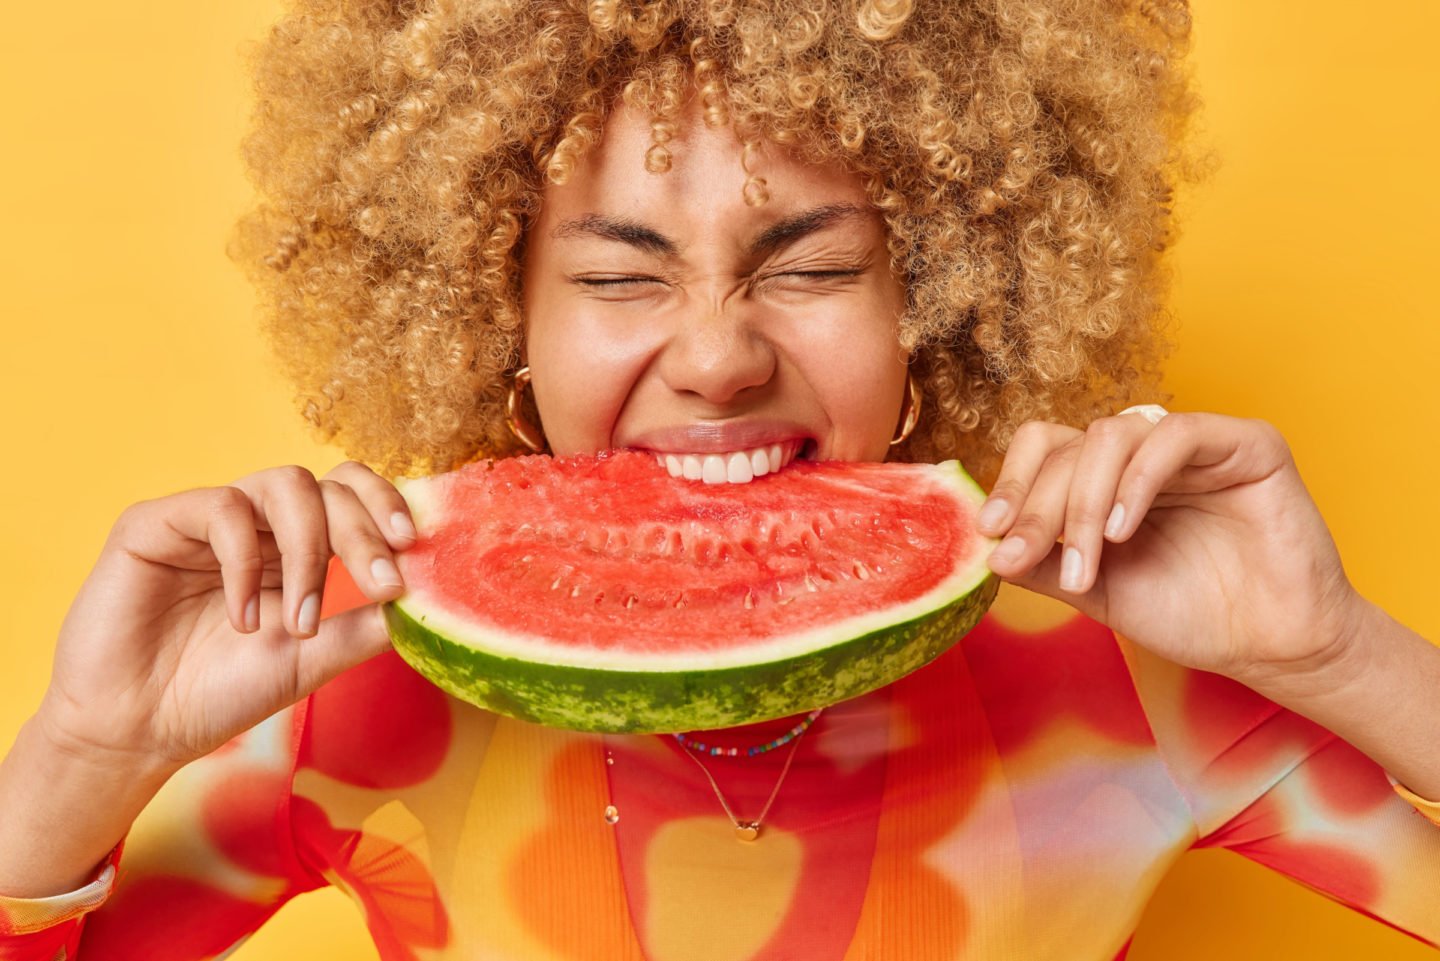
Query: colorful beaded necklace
700	747
748	830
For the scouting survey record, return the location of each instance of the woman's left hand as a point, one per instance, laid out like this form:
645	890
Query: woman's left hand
1215	555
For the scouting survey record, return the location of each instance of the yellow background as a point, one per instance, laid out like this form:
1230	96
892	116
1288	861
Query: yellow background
130	369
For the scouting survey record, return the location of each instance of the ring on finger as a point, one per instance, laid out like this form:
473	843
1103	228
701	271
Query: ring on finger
1151	412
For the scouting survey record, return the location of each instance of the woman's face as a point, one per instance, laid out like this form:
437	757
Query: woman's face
664	313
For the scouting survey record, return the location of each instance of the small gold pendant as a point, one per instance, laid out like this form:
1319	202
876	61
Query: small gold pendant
747	830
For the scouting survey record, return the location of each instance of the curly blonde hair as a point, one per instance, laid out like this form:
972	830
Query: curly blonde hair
1024	154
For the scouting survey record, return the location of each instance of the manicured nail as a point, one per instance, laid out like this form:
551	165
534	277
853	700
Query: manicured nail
1071	569
252	613
1009	550
1116	521
384	572
401	525
309	619
992	514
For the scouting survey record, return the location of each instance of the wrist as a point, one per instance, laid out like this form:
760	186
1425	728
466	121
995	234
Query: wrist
63	808
69	747
1341	662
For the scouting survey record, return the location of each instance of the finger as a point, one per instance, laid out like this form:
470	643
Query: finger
1195	452
233	538
1109	445
361	547
385	504
342	642
201	530
1033	442
287	502
1041	517
1044	578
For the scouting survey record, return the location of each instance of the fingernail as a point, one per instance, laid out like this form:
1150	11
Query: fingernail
309	619
1009	550
384	572
252	613
401	525
1116	521
992	514
1071	569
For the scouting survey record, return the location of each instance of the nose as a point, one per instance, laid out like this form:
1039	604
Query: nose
717	353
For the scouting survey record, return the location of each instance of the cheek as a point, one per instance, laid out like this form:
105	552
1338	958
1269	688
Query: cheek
852	362
861	390
582	371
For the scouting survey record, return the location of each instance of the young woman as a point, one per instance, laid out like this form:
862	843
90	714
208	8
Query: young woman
850	233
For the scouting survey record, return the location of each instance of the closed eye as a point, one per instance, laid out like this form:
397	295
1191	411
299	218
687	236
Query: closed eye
821	274
615	281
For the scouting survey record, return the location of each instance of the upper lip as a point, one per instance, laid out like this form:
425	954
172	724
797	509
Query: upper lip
718	437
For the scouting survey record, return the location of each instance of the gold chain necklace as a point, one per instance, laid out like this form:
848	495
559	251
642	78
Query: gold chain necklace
746	830
743	830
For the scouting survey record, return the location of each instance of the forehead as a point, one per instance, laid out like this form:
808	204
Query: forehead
705	185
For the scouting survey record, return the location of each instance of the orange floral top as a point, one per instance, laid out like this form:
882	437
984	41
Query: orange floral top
1020	797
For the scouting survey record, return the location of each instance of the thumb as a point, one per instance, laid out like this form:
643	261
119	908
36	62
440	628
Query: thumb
1044	578
342	642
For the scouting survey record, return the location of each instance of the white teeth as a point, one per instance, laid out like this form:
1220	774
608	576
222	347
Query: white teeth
737	468
759	462
733	467
714	469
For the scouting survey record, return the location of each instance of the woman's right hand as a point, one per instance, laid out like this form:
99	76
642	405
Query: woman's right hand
201	617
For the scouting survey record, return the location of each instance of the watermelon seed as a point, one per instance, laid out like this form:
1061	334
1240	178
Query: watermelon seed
631	601
526	559
575	591
785	600
810	584
749	601
680	602
861	571
555	584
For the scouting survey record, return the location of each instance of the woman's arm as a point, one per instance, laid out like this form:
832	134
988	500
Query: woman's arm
62	810
209	859
1381	693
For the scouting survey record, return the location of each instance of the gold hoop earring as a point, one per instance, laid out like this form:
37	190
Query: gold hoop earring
912	410
524	431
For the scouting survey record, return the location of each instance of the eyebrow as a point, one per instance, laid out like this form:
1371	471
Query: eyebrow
778	235
791	229
621	229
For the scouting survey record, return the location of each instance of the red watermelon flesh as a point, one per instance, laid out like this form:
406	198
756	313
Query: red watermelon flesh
599	592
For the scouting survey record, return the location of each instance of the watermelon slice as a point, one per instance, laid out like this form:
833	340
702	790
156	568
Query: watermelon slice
599	593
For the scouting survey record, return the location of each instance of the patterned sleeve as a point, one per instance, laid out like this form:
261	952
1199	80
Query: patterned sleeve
1279	789
1430	809
205	864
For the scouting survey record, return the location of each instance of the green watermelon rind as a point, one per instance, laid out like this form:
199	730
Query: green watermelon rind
663	695
590	699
